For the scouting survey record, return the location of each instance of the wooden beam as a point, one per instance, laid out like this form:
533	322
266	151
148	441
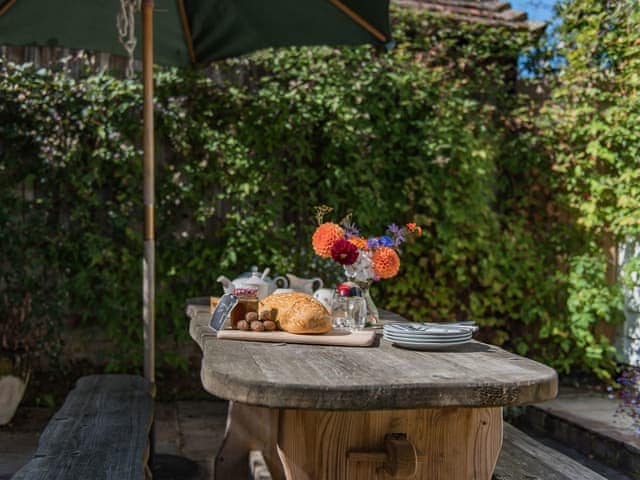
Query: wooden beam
6	6
186	30
359	20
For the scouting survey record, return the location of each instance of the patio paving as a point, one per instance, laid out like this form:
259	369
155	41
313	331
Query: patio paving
589	423
19	440
194	430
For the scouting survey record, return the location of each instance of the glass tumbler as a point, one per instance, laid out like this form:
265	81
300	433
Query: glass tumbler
357	312
339	311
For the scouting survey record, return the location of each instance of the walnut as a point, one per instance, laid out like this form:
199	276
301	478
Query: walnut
269	325
257	326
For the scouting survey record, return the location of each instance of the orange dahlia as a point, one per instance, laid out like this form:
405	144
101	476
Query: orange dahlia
386	262
324	237
359	242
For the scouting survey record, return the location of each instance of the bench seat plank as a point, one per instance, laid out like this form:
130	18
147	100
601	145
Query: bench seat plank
524	458
101	432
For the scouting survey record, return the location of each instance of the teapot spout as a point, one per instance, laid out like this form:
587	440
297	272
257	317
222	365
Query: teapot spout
227	284
265	273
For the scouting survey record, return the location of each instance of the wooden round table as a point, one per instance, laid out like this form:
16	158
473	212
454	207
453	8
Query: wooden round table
350	413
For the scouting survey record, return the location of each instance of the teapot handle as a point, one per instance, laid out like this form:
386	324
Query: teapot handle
318	281
285	282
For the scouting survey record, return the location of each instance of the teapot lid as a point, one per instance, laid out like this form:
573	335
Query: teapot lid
253	271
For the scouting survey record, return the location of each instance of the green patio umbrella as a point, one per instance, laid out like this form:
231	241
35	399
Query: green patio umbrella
187	32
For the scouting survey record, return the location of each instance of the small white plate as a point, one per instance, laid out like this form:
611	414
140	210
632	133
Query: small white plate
427	336
427	346
427	342
424	336
422	329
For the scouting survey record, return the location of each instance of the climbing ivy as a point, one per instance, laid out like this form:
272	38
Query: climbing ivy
432	132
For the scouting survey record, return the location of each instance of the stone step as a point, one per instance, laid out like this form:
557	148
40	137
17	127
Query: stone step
589	423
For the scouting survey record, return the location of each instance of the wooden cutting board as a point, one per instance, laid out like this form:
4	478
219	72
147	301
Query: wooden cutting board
363	338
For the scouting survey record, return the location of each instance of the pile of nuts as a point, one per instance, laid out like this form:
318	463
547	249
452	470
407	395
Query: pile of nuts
257	322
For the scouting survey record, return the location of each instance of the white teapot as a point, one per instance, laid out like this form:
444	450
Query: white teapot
258	281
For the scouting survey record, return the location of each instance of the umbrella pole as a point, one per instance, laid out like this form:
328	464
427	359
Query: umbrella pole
148	282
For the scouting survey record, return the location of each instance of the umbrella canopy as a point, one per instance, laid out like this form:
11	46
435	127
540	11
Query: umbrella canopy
197	31
186	32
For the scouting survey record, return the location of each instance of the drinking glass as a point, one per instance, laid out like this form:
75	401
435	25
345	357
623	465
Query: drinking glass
357	312
339	311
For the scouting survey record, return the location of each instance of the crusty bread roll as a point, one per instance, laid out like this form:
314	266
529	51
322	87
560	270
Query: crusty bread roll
297	312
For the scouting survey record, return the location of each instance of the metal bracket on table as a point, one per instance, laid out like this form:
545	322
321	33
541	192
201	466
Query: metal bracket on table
399	460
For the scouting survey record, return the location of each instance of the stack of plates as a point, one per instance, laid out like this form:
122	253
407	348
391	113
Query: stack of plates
427	336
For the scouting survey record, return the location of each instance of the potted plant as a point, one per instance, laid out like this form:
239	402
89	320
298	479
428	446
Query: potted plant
23	337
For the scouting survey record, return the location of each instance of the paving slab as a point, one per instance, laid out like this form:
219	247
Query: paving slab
595	412
19	439
191	429
167	429
588	422
16	450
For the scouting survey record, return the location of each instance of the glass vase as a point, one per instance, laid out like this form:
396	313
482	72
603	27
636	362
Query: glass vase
361	273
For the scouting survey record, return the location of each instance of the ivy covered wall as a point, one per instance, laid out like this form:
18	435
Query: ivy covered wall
431	133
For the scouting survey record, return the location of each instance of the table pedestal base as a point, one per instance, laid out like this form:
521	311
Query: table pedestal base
430	444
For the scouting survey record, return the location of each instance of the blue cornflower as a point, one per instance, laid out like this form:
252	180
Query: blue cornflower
372	243
393	228
399	239
350	229
386	241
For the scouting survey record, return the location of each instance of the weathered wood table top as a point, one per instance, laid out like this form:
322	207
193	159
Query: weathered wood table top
367	378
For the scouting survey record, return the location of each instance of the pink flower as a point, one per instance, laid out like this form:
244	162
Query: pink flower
344	252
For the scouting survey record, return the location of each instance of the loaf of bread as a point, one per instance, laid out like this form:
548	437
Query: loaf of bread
297	312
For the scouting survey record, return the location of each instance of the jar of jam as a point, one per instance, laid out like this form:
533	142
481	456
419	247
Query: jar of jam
247	302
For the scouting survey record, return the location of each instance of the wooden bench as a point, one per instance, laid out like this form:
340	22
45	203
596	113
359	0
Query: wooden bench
101	432
523	458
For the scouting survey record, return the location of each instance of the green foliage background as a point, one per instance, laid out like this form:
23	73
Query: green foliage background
432	133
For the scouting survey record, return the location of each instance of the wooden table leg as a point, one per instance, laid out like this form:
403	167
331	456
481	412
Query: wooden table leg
450	443
248	428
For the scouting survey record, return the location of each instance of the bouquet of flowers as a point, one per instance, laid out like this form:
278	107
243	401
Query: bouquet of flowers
365	259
